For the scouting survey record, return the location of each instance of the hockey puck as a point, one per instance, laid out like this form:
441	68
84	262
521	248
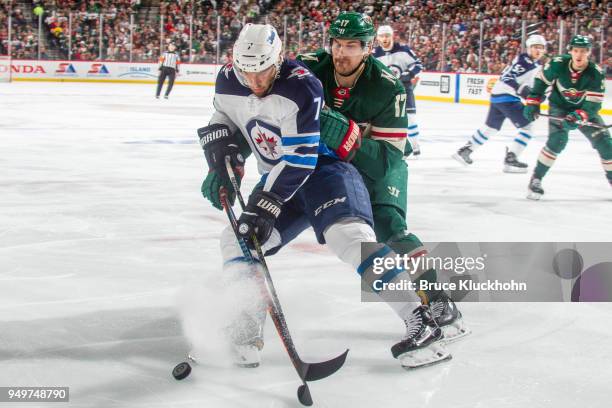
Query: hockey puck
181	370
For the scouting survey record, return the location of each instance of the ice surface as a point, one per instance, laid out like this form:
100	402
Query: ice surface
102	224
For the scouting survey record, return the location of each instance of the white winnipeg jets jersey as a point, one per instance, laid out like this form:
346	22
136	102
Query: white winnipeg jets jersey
282	128
400	59
520	73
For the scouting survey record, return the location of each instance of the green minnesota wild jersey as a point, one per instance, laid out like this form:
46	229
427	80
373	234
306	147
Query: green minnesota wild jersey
377	102
571	89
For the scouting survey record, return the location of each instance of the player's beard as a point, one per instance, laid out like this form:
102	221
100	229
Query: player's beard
342	66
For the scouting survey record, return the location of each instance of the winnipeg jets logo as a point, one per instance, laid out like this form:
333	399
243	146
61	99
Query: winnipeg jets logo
266	139
299	72
397	71
265	142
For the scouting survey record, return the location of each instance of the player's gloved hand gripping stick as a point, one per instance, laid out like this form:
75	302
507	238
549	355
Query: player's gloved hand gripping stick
306	371
578	122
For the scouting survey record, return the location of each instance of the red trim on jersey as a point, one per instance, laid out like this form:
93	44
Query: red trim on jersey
386	134
548	155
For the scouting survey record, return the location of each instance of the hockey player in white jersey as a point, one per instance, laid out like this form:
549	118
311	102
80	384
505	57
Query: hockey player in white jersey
514	83
272	108
404	63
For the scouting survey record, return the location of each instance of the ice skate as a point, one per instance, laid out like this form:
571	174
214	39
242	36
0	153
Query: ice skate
463	155
535	190
449	318
512	164
247	355
423	343
246	337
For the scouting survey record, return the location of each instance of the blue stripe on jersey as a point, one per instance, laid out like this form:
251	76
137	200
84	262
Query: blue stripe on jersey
519	141
288	180
301	160
326	151
298	140
503	98
306	150
369	261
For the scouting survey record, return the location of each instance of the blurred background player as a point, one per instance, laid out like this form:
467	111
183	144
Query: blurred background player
271	107
514	83
168	67
578	88
405	65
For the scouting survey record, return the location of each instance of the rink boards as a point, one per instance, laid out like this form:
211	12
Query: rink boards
431	86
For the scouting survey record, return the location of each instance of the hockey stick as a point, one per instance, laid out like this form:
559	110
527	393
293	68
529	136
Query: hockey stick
579	122
306	371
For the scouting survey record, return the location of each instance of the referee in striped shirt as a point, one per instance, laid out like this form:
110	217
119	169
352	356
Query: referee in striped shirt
168	67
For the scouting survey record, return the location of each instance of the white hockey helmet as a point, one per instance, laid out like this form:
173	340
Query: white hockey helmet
535	39
257	48
384	29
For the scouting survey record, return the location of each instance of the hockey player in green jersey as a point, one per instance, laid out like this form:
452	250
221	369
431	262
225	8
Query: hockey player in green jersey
364	94
578	87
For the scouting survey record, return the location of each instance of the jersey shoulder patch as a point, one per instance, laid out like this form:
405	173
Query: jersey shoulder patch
318	62
597	68
297	83
382	77
227	82
406	49
378	52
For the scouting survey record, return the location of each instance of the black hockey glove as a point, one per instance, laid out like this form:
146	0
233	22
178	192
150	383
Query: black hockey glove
218	142
259	217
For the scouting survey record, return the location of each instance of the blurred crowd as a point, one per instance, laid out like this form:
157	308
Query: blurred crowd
24	34
454	35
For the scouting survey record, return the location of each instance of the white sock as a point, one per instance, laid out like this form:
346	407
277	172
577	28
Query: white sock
521	140
481	136
413	131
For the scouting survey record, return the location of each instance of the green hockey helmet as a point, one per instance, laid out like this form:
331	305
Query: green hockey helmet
579	41
350	25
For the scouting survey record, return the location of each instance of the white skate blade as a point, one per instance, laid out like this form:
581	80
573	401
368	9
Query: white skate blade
457	157
533	196
514	169
246	356
426	356
455	331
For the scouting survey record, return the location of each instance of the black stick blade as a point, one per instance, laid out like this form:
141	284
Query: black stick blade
303	394
316	371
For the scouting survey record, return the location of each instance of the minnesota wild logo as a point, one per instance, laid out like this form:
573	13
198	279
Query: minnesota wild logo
572	93
341	93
